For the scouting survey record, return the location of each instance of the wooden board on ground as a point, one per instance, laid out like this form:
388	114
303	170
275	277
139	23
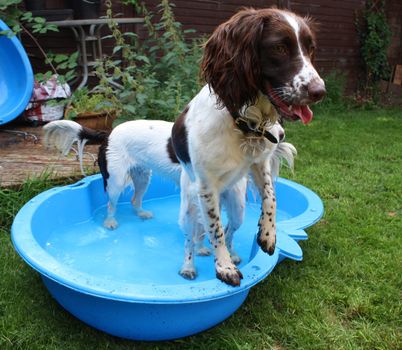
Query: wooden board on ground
23	157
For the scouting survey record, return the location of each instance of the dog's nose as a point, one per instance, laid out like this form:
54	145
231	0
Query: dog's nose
316	90
281	136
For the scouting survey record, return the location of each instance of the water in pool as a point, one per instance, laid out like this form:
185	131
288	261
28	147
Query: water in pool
154	245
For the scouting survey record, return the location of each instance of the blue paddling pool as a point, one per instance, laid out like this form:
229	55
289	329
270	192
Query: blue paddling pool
16	77
125	282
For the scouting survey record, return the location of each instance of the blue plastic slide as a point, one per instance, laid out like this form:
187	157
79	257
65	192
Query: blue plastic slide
16	77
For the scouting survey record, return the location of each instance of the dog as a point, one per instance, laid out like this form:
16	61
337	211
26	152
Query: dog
261	59
135	149
234	200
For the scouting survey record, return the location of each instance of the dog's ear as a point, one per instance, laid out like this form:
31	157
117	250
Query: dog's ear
231	64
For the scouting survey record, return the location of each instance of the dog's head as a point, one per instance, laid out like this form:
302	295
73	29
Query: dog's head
267	50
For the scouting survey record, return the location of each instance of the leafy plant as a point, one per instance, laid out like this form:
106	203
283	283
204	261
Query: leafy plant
375	37
67	64
153	78
335	83
82	101
336	100
18	19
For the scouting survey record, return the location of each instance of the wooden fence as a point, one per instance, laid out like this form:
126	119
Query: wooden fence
338	44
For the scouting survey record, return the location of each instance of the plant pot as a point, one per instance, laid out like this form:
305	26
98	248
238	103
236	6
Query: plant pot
97	121
86	9
32	5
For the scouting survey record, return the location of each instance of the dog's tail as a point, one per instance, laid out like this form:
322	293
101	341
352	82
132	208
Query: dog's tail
284	153
62	134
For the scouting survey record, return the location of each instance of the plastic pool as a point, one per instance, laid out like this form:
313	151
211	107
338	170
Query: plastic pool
126	282
16	77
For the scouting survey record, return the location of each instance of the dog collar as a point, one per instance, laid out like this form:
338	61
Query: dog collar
248	126
255	118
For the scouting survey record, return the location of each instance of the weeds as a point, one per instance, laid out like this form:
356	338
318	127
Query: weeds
155	78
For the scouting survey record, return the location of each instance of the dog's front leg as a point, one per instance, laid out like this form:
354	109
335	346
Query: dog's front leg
226	271
267	223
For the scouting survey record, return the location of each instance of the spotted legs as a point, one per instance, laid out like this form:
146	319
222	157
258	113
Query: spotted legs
195	200
226	271
188	223
267	222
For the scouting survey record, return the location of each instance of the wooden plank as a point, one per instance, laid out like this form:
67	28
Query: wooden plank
337	37
21	159
397	75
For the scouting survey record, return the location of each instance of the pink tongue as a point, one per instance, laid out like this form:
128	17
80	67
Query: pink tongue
304	113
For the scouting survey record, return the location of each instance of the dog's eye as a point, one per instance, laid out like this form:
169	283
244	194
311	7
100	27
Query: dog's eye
280	49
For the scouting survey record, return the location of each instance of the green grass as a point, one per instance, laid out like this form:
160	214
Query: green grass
346	294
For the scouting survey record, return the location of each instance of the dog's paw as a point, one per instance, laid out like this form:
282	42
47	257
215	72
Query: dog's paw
229	274
143	214
203	251
188	273
235	258
267	243
110	223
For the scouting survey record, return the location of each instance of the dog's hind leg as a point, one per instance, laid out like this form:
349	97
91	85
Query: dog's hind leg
234	201
115	185
199	239
188	222
141	178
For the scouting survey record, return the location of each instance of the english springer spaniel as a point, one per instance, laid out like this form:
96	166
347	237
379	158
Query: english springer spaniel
260	59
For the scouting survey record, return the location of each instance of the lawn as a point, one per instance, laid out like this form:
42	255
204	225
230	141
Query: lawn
345	294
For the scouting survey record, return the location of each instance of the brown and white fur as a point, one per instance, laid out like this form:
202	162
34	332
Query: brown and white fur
233	200
268	52
134	150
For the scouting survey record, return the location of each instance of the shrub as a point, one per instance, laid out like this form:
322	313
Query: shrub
375	38
82	101
335	84
154	78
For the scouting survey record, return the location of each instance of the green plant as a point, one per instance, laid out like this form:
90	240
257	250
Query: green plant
154	78
375	36
64	65
82	101
335	83
18	19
